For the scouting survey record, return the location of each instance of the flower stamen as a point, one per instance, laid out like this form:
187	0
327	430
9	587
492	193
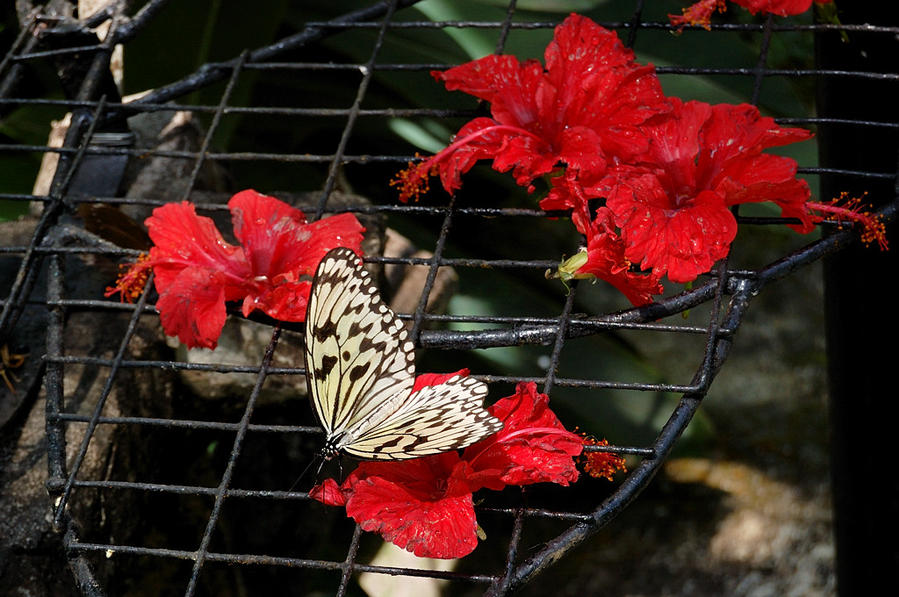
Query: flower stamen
132	279
601	465
845	209
698	14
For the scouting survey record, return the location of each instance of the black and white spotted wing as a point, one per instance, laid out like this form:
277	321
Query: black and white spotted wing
360	365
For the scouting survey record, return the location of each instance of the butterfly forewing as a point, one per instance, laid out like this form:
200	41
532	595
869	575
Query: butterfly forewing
360	366
358	354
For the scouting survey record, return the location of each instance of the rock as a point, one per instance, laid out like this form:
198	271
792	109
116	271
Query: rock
31	556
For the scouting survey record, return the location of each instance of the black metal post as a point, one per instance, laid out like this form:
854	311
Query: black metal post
861	329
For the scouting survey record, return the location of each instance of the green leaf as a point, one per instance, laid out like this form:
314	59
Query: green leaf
624	416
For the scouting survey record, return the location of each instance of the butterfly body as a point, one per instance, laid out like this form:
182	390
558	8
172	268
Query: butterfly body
360	365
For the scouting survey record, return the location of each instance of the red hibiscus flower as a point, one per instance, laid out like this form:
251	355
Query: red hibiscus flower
197	271
672	206
425	505
584	107
700	13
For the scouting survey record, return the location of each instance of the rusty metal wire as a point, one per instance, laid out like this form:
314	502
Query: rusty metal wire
726	291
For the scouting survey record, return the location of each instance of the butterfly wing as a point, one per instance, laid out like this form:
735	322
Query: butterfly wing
360	363
435	419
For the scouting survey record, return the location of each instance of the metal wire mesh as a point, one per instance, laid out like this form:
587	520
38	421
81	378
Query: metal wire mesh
196	560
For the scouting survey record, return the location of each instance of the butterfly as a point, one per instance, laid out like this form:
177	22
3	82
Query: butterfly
360	368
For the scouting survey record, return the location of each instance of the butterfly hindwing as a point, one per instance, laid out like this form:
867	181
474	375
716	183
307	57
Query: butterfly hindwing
360	367
434	419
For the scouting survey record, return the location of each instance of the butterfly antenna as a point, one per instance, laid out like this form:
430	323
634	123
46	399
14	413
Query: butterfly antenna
321	463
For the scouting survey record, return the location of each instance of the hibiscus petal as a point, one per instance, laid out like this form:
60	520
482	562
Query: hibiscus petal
606	261
676	141
435	379
192	306
772	178
182	239
599	86
281	248
533	447
285	301
526	156
423	505
681	241
477	140
781	8
329	493
734	131
444	528
267	228
509	86
518	138
579	47
319	237
581	149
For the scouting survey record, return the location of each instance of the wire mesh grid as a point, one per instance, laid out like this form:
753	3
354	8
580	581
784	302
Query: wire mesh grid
96	146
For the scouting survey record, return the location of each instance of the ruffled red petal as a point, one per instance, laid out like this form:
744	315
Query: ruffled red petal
780	8
192	306
732	131
269	230
511	87
435	379
606	259
183	239
772	178
421	505
282	249
195	271
329	493
444	528
598	85
681	241
533	447
284	300
510	147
